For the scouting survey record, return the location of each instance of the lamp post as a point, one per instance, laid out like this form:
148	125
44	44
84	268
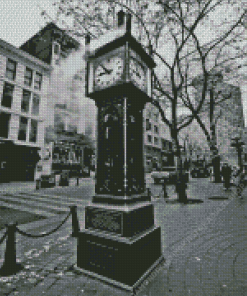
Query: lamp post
238	144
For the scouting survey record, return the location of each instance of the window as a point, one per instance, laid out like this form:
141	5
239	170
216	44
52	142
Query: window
156	117
4	124
33	131
58	123
164	144
156	129
35	106
149	114
38	81
148	125
25	103
56	48
149	139
7	96
11	69
156	141
28	77
22	129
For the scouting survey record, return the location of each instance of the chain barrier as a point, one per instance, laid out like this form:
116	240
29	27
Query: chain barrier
3	237
10	265
43	234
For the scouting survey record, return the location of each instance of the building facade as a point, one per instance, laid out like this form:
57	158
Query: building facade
228	114
157	141
70	110
24	82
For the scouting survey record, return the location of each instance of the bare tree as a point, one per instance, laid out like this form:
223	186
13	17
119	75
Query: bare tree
172	32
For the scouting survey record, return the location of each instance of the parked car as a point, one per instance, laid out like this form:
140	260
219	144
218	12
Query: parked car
200	172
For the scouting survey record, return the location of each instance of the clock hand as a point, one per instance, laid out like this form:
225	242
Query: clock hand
102	73
107	71
137	73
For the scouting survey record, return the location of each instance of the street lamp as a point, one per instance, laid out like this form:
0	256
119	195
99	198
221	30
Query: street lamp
238	144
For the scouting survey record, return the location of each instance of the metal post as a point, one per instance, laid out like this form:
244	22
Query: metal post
164	189
75	222
10	266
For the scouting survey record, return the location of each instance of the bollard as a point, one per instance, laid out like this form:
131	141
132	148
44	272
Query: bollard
10	266
75	222
149	194
164	189
77	181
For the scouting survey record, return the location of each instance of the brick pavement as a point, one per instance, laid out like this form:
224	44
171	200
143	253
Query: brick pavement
203	245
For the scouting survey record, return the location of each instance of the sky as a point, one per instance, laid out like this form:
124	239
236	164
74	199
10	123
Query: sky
21	19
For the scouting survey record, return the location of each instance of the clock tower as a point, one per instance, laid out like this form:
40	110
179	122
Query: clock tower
120	243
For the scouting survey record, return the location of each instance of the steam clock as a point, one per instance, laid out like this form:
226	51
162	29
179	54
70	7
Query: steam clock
120	243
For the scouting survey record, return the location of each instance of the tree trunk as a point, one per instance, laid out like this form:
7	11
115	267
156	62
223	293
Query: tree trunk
216	168
181	183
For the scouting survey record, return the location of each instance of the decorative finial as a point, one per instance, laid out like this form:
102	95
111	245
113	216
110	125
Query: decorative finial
120	18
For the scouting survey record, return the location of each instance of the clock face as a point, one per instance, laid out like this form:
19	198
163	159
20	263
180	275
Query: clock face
108	71
137	73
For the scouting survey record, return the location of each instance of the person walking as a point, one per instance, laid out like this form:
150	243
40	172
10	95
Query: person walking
240	183
226	172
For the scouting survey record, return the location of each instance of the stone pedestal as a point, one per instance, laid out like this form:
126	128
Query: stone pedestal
120	243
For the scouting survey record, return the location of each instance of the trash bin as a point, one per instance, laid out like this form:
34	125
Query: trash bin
64	178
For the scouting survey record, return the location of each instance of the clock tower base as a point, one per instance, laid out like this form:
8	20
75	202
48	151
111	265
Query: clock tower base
120	261
120	243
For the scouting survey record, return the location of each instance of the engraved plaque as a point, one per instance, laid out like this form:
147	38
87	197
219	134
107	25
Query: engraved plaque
103	220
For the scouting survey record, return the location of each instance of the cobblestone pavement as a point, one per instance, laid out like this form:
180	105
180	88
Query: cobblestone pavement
204	246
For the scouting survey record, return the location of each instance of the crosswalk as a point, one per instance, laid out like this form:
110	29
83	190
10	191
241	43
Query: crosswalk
40	204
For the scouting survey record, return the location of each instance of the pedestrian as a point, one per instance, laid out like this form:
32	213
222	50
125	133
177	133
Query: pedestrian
240	183
226	172
211	173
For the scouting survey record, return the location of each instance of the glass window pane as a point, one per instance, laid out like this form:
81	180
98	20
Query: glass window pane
156	129
148	125
22	129
38	81
25	103
33	131
10	69
35	107
7	96
28	77
4	124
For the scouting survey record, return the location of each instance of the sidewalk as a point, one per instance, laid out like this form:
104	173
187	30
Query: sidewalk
28	186
203	245
13	187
